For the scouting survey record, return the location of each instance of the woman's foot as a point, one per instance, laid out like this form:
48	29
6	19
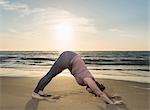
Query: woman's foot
117	99
37	96
41	93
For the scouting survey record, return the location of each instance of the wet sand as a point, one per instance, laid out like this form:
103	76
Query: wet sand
15	94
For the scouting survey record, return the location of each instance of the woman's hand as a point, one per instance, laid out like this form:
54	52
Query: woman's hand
93	86
117	102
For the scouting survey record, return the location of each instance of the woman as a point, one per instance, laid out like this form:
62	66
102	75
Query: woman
72	61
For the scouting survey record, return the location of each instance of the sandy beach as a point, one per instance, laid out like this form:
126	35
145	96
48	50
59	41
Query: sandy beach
66	94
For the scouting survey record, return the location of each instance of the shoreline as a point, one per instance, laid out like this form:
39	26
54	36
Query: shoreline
103	74
38	77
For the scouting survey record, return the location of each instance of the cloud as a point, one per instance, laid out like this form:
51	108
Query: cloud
2	2
41	21
12	31
23	9
116	30
7	5
121	32
48	18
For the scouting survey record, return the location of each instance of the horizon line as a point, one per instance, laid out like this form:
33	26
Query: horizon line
69	50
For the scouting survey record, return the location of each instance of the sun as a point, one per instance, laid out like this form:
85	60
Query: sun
64	29
64	32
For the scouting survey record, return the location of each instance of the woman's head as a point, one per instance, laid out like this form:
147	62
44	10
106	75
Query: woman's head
100	86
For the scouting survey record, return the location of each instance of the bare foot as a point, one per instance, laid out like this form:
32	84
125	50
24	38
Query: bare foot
37	96
41	93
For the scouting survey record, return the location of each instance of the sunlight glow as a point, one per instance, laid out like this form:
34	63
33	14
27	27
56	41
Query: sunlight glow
64	34
64	29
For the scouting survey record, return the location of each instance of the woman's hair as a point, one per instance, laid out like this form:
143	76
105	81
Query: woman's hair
100	86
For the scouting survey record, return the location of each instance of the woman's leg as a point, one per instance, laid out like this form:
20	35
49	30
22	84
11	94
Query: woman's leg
61	63
57	67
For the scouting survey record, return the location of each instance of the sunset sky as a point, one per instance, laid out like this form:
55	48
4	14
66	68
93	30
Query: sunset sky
81	25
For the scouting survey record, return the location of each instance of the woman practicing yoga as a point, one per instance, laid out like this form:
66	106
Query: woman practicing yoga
72	61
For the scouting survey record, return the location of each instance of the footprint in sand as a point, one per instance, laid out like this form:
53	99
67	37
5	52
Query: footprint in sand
55	97
52	98
47	96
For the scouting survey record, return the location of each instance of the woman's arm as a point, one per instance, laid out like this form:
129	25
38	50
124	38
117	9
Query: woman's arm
96	90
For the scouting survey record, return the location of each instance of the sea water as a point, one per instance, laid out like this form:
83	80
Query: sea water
120	65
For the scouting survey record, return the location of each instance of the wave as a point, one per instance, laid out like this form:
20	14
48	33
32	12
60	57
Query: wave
90	58
91	61
99	60
147	70
118	63
6	58
49	59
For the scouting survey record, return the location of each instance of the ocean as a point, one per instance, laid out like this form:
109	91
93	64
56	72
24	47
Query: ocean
118	65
